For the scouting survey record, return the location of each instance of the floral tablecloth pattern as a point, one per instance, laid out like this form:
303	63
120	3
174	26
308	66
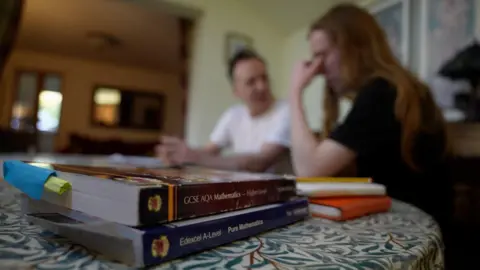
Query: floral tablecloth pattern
404	238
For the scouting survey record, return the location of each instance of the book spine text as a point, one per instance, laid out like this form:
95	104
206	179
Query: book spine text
175	242
200	200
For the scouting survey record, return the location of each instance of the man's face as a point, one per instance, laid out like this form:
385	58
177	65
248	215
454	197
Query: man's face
250	82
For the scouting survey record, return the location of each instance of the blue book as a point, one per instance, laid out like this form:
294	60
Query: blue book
141	246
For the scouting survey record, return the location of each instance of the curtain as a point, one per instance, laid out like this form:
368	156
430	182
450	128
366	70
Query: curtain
10	15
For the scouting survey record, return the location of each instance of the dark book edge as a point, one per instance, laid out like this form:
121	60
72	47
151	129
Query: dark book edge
156	205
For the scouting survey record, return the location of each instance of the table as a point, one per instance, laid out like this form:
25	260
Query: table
404	238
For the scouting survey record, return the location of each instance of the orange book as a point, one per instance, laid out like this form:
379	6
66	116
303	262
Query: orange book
345	208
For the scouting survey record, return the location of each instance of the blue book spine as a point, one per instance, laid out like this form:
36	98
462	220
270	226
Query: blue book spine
168	242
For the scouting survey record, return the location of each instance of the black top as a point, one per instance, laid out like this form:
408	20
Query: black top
372	131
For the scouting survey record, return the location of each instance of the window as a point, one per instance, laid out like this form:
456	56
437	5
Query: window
131	109
38	102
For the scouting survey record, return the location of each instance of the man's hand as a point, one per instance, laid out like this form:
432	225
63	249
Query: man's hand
174	151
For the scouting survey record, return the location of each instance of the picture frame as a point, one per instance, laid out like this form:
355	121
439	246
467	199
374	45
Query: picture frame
235	41
440	39
394	17
428	43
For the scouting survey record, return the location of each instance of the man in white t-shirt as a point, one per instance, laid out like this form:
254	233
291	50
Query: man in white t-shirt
257	131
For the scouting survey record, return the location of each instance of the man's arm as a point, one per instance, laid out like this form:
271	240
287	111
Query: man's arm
276	144
175	151
211	149
257	162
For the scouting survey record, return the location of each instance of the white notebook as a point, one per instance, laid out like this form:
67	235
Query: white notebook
340	189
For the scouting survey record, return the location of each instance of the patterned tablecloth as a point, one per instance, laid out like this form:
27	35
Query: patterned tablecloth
404	238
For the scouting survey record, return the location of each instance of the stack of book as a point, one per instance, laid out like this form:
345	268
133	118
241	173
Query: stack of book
148	216
343	199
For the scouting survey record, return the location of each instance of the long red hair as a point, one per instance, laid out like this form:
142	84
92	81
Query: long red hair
366	54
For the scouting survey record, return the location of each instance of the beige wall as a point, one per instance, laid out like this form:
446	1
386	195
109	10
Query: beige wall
79	78
210	92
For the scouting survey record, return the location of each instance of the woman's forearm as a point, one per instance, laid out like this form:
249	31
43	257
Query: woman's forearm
304	142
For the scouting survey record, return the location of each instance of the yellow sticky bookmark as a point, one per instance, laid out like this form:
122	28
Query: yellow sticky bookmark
333	179
57	185
53	184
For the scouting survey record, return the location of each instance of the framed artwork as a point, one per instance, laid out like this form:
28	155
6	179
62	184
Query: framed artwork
235	42
447	27
394	17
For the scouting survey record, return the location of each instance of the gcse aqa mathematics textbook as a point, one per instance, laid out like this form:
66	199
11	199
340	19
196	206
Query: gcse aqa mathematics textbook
134	196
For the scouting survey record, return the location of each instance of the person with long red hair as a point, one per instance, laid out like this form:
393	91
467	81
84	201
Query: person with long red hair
394	132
